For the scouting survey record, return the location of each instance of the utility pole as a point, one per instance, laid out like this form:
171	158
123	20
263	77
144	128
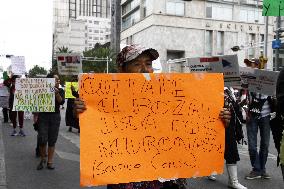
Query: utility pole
278	31
265	37
115	25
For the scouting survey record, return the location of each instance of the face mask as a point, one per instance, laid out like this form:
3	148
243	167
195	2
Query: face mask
144	71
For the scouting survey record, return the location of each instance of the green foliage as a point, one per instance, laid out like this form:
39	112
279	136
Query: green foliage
99	51
36	70
63	49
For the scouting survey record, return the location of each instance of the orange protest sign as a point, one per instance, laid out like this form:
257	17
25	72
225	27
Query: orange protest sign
141	127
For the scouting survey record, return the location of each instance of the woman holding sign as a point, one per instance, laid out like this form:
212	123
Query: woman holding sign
136	59
48	127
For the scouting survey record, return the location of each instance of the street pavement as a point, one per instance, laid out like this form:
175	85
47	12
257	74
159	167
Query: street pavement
18	164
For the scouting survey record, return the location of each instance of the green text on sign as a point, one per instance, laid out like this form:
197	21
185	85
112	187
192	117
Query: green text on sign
273	8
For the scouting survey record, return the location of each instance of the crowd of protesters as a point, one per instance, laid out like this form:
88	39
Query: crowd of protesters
241	107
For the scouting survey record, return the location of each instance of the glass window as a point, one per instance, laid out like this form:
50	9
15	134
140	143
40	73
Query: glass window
243	15
175	7
220	43
96	22
219	11
251	50
208	12
147	7
208	42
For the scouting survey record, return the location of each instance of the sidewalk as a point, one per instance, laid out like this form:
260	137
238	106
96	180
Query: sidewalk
3	183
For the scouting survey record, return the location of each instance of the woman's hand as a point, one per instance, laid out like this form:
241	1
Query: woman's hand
225	116
79	107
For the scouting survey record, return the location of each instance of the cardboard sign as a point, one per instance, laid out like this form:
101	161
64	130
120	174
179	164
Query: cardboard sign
69	64
228	65
4	91
4	101
18	66
273	8
34	95
68	92
259	81
142	127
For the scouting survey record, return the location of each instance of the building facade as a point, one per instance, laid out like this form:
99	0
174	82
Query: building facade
98	30
179	29
80	24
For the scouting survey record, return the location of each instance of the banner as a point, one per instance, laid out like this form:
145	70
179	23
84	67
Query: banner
4	101
34	95
260	81
228	65
68	92
69	63
142	127
18	66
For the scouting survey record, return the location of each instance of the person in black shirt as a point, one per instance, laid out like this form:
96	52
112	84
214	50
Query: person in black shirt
48	127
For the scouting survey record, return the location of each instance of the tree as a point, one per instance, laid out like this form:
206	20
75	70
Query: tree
63	49
99	51
36	70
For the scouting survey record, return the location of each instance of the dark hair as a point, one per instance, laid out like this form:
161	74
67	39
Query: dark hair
50	75
14	77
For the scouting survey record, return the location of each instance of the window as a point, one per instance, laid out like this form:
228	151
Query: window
220	43
251	15
208	12
90	21
130	6
251	50
262	40
90	30
219	11
175	7
208	42
96	31
130	19
96	22
172	54
90	37
147	7
101	38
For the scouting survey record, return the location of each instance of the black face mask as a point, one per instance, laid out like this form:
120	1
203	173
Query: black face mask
144	71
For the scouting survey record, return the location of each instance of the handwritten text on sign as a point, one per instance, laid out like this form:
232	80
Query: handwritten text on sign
140	127
34	95
18	65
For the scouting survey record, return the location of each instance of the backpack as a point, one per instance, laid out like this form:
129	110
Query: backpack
256	105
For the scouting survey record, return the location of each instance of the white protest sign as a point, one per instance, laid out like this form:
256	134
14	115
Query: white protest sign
69	63
231	70
260	81
34	95
18	66
223	64
4	101
4	90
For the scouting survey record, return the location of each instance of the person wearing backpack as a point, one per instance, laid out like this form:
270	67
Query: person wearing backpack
259	108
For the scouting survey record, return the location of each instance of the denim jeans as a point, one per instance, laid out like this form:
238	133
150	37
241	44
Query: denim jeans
258	159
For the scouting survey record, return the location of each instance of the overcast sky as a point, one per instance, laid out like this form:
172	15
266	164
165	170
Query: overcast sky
26	30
